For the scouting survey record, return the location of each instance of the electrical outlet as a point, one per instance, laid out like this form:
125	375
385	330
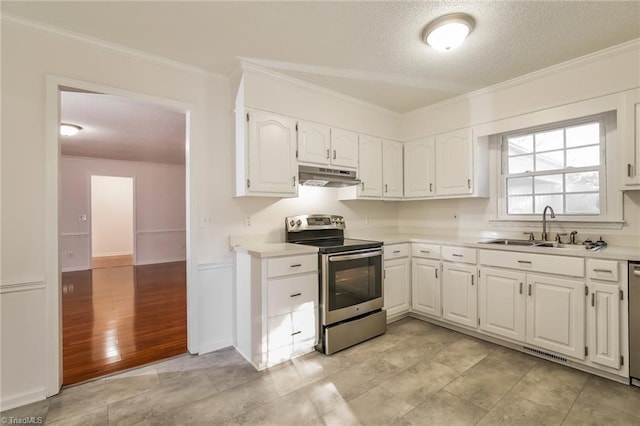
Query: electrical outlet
206	221
247	221
82	217
68	254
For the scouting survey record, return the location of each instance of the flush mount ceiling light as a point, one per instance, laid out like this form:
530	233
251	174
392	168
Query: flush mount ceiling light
448	31
69	129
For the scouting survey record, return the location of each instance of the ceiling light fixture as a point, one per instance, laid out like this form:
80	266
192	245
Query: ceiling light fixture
69	129
448	31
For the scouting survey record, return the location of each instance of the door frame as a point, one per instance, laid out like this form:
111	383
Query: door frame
53	332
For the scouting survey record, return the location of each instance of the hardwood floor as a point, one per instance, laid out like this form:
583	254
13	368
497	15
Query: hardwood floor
123	317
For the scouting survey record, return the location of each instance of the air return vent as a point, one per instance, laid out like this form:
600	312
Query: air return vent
546	354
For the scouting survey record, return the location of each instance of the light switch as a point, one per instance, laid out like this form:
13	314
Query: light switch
82	217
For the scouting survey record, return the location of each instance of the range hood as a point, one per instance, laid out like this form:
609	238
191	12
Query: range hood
326	177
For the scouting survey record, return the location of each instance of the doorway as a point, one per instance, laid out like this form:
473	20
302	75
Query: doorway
122	233
112	221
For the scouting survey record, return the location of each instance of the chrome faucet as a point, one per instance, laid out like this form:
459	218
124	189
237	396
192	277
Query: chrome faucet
544	222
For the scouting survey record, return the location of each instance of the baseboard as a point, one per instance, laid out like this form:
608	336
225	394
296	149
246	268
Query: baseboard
75	268
154	261
24	398
215	346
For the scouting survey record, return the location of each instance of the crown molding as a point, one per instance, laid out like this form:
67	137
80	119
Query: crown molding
105	45
536	75
257	69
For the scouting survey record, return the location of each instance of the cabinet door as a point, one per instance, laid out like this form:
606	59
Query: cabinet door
425	287
370	167
314	143
397	286
272	154
419	176
603	314
392	169
501	303
631	139
454	163
344	148
460	294
555	315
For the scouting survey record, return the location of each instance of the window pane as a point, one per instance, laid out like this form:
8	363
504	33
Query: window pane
555	201
519	205
548	141
583	157
518	186
587	134
550	161
548	184
520	145
521	164
583	182
583	203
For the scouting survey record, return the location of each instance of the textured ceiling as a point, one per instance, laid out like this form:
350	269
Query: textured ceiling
122	129
369	50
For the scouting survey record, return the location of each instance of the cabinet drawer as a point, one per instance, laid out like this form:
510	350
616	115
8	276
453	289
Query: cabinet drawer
289	329
459	254
395	251
605	270
292	294
281	266
428	251
560	265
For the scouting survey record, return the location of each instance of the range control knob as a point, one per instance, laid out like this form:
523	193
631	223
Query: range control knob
292	223
298	222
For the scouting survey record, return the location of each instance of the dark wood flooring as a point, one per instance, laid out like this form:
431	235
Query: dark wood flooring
123	317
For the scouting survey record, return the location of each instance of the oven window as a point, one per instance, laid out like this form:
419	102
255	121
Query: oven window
352	282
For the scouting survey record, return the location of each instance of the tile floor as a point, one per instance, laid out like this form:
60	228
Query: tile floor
417	373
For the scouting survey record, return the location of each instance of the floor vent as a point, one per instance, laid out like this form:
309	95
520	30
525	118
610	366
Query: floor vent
546	354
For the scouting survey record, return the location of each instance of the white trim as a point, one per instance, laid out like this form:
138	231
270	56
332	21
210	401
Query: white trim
76	268
74	235
22	284
215	346
105	45
53	345
257	69
628	46
160	231
570	223
23	398
115	253
218	264
70	157
157	261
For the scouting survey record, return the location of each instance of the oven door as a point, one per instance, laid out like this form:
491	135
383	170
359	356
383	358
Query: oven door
351	284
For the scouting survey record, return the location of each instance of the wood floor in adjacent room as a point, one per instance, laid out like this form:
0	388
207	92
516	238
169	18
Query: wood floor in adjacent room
121	317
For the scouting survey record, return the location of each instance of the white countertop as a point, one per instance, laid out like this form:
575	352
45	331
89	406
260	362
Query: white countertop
256	246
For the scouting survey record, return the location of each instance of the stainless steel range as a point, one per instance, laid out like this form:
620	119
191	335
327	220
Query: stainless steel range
350	280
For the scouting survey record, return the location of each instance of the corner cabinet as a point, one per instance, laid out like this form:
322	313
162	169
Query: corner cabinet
392	169
266	162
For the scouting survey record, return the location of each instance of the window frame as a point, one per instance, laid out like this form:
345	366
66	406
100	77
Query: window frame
563	125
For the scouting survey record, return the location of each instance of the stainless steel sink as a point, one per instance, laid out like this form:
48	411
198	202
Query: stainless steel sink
524	243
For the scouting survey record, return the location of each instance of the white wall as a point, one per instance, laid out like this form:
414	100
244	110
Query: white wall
160	218
111	215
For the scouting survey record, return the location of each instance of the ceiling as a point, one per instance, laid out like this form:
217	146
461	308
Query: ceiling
370	50
120	128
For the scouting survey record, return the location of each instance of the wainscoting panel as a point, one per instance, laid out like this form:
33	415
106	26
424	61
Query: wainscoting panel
75	253
215	305
23	330
160	246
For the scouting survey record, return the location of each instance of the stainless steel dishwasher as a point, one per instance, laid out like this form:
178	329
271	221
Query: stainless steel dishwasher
634	322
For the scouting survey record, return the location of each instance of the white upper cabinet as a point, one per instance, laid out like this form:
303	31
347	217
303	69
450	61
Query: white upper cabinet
314	143
265	154
370	167
454	163
419	173
392	169
344	148
631	140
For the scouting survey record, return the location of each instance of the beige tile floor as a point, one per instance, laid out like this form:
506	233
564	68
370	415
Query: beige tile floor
417	373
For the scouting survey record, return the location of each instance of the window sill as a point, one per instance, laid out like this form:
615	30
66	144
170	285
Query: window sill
567	223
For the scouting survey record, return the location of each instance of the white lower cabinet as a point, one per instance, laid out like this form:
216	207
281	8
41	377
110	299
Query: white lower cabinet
425	287
603	319
555	314
397	280
460	294
502	303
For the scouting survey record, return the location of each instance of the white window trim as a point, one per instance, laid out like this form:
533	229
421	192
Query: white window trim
611	215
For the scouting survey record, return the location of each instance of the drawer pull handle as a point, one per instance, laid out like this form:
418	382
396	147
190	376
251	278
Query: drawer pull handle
593	299
520	288
608	271
396	251
295	295
425	251
457	255
296	332
297	265
529	289
527	262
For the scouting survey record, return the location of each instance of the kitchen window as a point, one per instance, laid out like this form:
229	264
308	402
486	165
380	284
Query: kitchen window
560	165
